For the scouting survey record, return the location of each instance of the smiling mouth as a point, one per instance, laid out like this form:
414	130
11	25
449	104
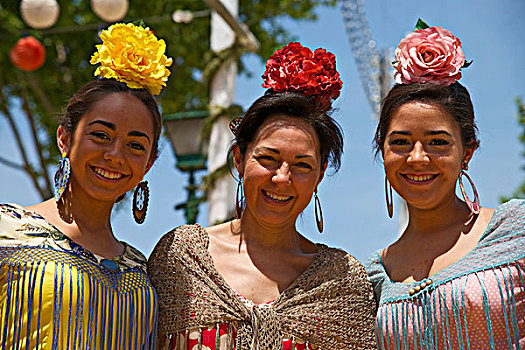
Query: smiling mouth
107	174
276	197
420	178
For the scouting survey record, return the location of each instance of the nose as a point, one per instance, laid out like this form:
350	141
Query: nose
282	174
114	153
418	154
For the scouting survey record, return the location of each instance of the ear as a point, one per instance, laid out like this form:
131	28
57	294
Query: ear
237	159
63	140
467	154
151	161
321	175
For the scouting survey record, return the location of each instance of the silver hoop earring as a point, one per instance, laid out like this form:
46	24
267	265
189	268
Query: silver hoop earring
318	212
389	198
239	198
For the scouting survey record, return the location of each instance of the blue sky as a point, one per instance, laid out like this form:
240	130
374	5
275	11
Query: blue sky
353	199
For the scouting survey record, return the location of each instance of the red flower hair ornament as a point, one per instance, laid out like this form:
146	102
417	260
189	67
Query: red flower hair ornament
429	55
295	68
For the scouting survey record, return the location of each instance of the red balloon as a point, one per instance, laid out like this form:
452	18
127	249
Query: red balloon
28	54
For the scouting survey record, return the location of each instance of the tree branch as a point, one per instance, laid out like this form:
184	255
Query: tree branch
38	146
11	164
27	166
35	87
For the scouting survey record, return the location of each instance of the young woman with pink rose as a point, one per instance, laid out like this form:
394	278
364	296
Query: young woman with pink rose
255	282
455	279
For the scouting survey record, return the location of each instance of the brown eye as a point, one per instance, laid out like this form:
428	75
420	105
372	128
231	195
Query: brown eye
304	165
137	146
99	135
399	142
439	142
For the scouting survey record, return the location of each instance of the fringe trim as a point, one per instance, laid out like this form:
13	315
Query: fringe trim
45	302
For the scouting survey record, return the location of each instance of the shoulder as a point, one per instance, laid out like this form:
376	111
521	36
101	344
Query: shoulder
133	257
19	226
376	271
179	236
342	265
175	245
508	221
514	208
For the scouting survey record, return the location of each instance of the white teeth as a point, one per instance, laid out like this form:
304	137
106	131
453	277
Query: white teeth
107	174
419	177
276	197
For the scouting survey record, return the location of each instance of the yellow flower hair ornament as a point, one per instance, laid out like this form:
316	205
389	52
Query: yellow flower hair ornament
133	55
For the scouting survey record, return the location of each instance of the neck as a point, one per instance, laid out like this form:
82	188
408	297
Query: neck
277	237
88	215
425	221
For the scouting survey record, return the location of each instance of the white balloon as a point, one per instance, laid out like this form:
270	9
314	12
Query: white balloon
39	14
110	10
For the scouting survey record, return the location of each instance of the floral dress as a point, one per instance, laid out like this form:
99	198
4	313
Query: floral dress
54	294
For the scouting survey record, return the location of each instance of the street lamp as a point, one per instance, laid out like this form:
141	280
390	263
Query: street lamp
184	130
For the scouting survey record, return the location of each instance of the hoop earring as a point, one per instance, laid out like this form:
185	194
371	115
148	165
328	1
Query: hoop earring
140	202
389	198
473	206
318	212
239	198
62	176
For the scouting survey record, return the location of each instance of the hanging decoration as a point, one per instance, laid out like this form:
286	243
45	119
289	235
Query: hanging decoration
110	10
28	54
39	14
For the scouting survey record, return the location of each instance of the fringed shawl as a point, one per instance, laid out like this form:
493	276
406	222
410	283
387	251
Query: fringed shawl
54	294
330	304
476	303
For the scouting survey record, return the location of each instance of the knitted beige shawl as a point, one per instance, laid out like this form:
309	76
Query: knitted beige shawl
330	305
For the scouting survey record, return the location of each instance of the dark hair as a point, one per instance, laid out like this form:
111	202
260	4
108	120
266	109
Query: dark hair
294	105
89	94
454	99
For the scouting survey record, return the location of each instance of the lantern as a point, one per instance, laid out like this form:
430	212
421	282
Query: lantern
28	54
39	14
110	10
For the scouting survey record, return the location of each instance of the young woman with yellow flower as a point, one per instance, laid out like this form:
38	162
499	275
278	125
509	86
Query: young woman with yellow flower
66	282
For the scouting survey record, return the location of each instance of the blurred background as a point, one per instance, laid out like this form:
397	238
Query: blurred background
216	74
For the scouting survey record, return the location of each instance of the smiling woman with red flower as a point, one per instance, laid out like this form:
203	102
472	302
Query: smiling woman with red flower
454	279
66	281
256	282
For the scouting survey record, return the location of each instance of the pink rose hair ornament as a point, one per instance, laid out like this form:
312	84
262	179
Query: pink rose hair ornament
295	68
429	55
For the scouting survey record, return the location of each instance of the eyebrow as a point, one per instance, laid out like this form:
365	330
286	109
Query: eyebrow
114	127
431	132
105	123
276	151
138	133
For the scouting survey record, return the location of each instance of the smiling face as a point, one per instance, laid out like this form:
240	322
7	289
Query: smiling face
110	148
423	154
280	170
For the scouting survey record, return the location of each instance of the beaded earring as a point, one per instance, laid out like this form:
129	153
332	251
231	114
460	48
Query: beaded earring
140	202
62	176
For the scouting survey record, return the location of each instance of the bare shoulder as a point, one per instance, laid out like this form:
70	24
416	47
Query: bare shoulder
485	215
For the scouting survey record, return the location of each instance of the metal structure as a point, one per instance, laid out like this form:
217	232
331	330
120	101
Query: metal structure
375	71
373	67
